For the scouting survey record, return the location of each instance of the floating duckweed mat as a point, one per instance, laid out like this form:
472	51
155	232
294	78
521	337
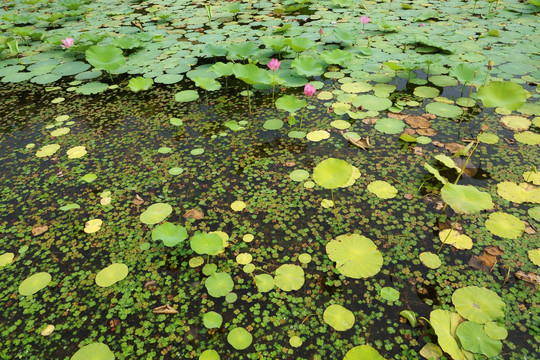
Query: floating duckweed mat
161	198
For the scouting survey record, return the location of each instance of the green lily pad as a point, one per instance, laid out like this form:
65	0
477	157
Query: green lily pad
219	284
170	234
457	240
390	125
332	173
290	103
363	352
94	351
516	123
6	258
176	171
156	213
34	283
466	199
527	137
382	189
209	355
307	66
88	177
111	274
519	193
289	277
426	92
94	87
372	102
107	58
212	320
47	150
299	175
186	96
355	255
338	317
444	324
273	124
535	213
505	225
478	304
206	243
318	135
431	260
239	338
140	83
495	331
390	294
504	94
488	138
264	282
444	109
60	131
76	152
473	338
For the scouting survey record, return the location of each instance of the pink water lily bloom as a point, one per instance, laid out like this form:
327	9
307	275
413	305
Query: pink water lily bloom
67	42
274	64
309	90
364	19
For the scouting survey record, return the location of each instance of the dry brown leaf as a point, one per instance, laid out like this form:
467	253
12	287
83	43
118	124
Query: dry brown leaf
417	122
138	200
39	229
408	196
437	143
363	143
165	309
426	132
289	164
493	250
418	150
454	147
529	277
194	214
397	116
370	121
409	131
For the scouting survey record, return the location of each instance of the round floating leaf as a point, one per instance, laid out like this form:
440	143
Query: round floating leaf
444	109
519	193
444	324
209	355
473	338
238	205
164	150
264	282
299	175
505	225
140	83
318	135
93	87
332	173
244	258
171	234
495	331
176	171
239	338
338	317
426	92
534	256
356	87
93	226
273	124
219	284
340	124
76	152
156	213
457	240
186	96
389	125
206	243
372	102
111	274
516	123
47	150
431	351
363	352
466	199
431	260
6	258
488	138
535	213
108	57
478	304
94	351
304	258
34	283
532	177
389	293
212	320
295	341
289	277
60	131
290	103
505	94
71	68
382	189
355	255
527	137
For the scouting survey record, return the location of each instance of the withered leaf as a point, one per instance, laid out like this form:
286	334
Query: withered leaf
138	200
194	214
39	229
529	277
363	143
165	309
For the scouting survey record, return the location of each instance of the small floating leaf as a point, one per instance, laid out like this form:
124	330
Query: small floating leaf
111	274
156	213
239	338
219	284
34	283
338	317
94	351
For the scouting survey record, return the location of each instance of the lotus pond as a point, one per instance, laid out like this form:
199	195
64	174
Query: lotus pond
269	179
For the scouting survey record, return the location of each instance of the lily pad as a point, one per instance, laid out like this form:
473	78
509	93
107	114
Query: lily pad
34	283
219	284
156	213
273	124
47	150
6	259
444	324
457	240
519	193
93	226
466	198
473	338
516	123
289	277
495	331
264	282
505	94
527	137
390	125
212	320
382	189
363	352
111	274
444	109
478	304
299	175
239	338
171	234
209	355
505	225
431	260
390	294
338	317
332	173
108	57
206	243
186	96
355	255
94	351
76	152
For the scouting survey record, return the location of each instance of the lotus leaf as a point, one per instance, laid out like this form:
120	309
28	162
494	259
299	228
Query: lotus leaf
290	103
140	83
336	56
466	199
473	338
457	240
372	102
126	42
186	96
111	274
516	123
532	177
170	234
295	341
435	173
239	338
93	226
212	320
47	150
432	261
318	135
156	213
426	92
206	243
289	277
108	57
338	317
209	355
6	259
505	94
222	69
206	83
60	131
304	258
431	351
363	352
242	50
505	225
94	87
444	323
535	213
299	175
264	282
94	351
332	173
219	284
464	72
244	258
519	193
307	66
355	255
76	152
344	36
300	44
251	74
527	137
488	138
495	331
478	304
389	293
273	124
209	269
340	124
389	125
382	189
34	283
444	109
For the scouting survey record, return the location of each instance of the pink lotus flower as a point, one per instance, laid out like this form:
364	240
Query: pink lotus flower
309	90
364	19
274	64
421	24
67	42
321	31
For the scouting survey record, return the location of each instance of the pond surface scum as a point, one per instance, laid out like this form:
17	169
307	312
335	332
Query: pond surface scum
269	180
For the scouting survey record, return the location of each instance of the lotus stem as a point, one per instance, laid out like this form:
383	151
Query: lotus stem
207	102
450	232
474	7
335	210
273	84
249	99
490	66
469	97
466	161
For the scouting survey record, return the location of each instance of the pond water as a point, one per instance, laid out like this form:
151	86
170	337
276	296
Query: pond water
152	225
